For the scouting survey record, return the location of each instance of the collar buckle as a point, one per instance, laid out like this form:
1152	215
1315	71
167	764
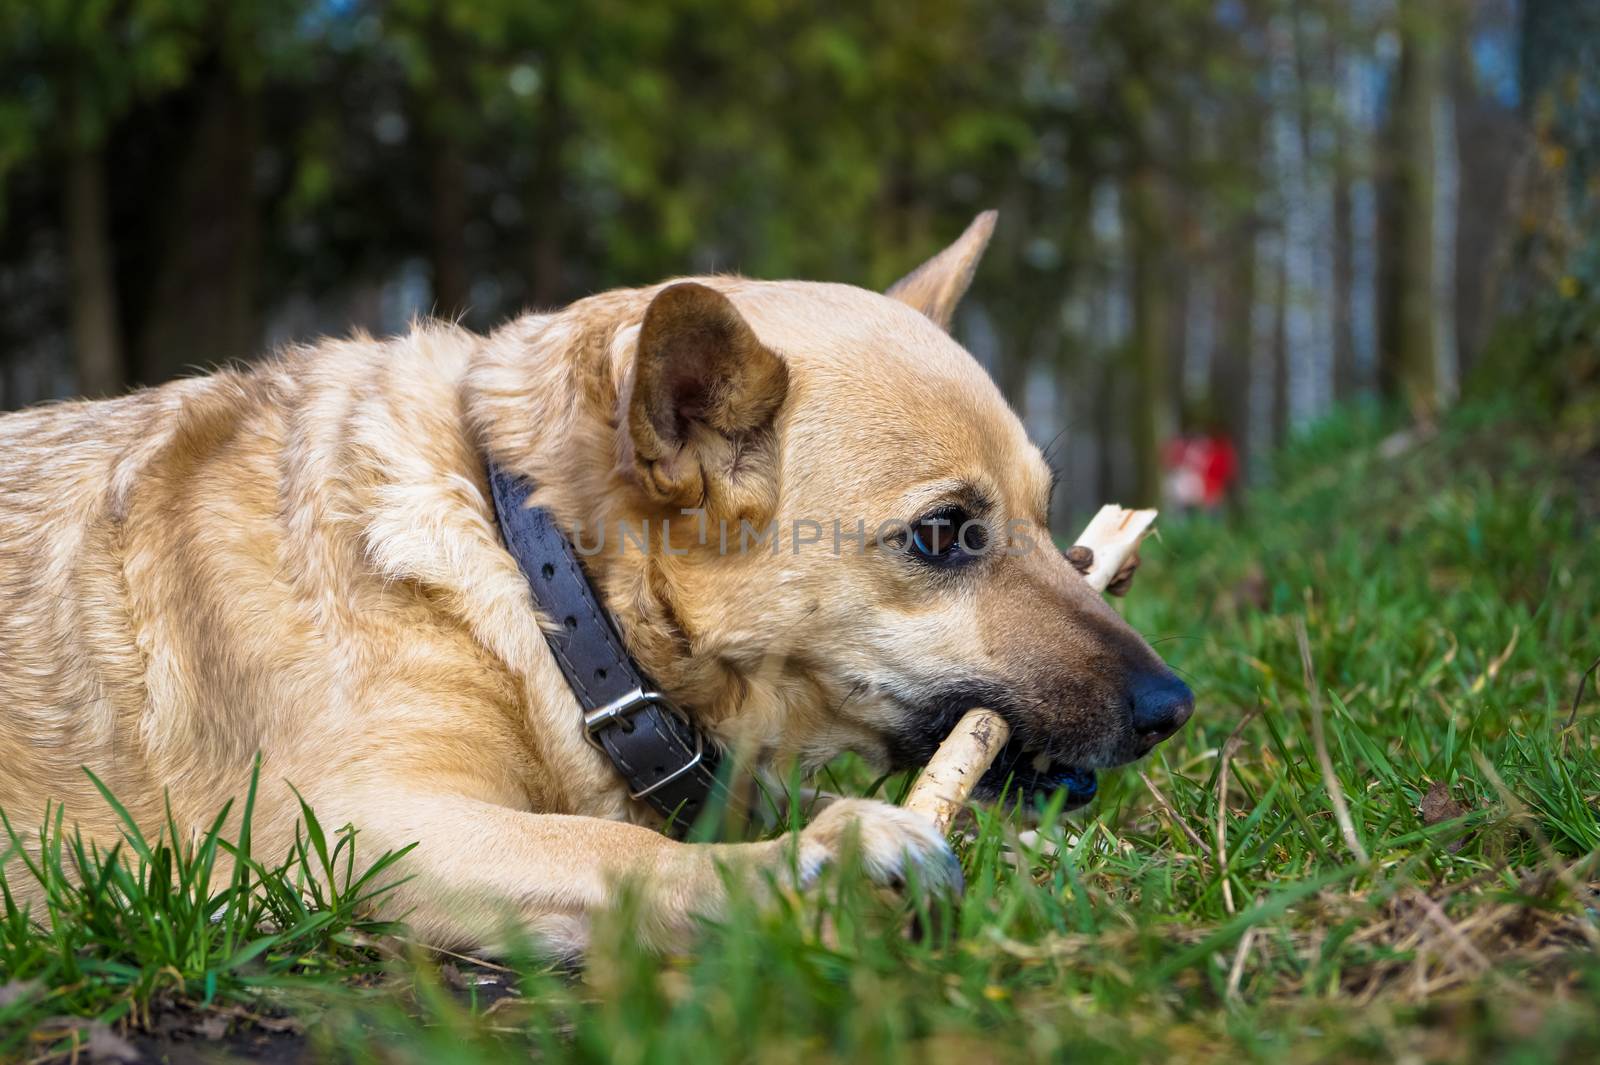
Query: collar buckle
620	711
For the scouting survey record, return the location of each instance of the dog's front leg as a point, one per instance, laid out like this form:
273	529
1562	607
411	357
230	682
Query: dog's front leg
477	864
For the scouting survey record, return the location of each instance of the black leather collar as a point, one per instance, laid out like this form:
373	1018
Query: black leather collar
664	759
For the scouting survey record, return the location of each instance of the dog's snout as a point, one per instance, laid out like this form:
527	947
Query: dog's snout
1161	704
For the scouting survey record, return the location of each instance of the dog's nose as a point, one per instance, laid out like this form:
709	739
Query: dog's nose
1161	704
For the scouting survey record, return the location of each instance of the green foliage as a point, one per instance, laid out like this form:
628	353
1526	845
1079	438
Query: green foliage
774	138
1548	356
72	67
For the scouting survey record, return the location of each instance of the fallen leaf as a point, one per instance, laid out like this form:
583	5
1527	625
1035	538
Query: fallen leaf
1438	807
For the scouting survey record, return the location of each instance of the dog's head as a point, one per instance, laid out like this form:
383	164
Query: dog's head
867	554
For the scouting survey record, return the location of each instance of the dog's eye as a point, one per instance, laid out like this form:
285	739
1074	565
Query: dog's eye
947	536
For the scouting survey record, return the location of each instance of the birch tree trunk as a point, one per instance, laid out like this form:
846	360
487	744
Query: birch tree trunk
1446	195
1359	78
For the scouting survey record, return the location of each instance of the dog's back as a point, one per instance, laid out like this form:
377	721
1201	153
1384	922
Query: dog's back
187	578
79	567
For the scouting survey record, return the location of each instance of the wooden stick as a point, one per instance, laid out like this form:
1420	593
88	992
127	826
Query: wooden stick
972	746
1114	535
953	771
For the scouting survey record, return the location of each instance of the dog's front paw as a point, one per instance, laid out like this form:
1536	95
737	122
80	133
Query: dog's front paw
891	842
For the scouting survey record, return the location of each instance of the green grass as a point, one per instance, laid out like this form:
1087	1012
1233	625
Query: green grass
153	923
1447	599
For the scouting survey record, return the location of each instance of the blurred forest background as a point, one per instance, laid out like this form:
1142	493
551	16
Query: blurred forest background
1219	218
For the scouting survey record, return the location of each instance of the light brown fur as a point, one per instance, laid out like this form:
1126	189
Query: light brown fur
300	559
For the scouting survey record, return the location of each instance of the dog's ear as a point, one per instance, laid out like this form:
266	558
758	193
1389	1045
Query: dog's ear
704	387
935	287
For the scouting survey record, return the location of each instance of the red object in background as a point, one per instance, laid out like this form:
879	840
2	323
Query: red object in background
1200	469
1222	467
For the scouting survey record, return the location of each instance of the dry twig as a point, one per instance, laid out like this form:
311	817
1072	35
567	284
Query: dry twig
1577	696
1166	807
1226	756
1341	811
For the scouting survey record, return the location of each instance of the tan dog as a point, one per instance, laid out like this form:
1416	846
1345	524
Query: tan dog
300	559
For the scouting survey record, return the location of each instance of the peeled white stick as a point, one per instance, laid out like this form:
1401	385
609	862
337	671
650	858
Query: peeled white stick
972	746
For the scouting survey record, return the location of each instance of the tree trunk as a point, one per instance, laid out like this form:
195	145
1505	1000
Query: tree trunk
1152	399
1282	424
444	109
1011	371
1229	379
201	309
1108	432
96	332
1182	287
1490	135
448	179
1448	50
547	283
1409	359
1345	380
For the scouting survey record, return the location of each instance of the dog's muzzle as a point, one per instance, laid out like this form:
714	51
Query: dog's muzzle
1021	773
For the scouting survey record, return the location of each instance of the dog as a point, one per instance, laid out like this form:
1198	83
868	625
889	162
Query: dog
301	560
